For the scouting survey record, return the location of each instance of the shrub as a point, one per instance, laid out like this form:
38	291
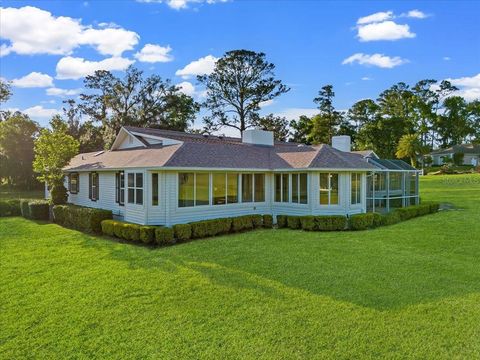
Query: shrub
331	222
182	232
225	225
257	221
38	209
267	221
361	221
118	229
58	194
293	222
241	223
147	234
281	221
377	219
131	232
81	218
434	207
391	218
24	209
164	236
199	229
10	207
107	226
308	223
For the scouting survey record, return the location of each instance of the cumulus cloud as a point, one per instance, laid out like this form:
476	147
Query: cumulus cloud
39	111
62	92
386	30
377	17
187	88
417	14
295	113
469	87
379	60
182	4
366	78
30	30
33	80
75	68
151	53
202	66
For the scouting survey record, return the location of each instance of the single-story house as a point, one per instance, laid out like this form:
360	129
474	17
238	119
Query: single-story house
471	154
163	177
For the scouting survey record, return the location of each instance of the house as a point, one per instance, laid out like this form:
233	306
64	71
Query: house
162	177
471	154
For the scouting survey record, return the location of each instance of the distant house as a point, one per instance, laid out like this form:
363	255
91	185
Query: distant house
161	177
471	154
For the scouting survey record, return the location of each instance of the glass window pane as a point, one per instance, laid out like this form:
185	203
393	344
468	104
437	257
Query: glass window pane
285	188
154	189
139	180
259	187
334	189
278	187
294	188
131	180
139	198
413	184
303	189
232	188
247	187
185	189
202	187
131	195
219	189
122	196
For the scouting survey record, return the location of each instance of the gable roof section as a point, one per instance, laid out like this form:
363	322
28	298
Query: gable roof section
463	148
213	152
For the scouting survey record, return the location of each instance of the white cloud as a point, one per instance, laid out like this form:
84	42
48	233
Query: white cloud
386	30
446	58
182	4
295	113
201	66
377	17
187	88
154	53
62	92
33	80
265	103
39	111
30	30
469	87
417	14
76	68
379	60
366	78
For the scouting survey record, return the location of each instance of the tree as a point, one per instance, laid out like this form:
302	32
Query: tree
5	94
301	129
410	147
363	116
325	124
136	101
17	134
53	151
277	124
239	83
453	126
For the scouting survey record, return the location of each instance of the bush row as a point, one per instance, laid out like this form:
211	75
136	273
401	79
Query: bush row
35	209
80	217
10	207
184	232
313	223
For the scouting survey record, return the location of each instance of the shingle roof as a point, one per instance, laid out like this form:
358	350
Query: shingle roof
464	148
198	151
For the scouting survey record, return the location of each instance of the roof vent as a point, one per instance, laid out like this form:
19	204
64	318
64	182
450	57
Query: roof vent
257	137
342	143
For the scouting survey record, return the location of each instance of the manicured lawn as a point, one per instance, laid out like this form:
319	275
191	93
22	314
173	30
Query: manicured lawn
411	290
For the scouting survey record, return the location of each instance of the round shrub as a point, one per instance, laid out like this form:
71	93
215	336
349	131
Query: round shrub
308	223
267	221
59	194
182	232
107	226
331	223
281	221
147	234
293	222
377	219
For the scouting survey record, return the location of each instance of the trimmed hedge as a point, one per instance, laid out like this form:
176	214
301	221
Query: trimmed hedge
24	209
257	221
281	221
182	232
293	222
308	223
81	218
38	209
10	208
331	223
107	227
147	234
362	221
267	221
242	223
164	236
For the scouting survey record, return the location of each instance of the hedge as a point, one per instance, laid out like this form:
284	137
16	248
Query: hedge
147	234
362	221
242	223
331	223
281	221
293	222
38	209
24	209
267	221
107	227
10	208
164	236
81	218
308	223
182	232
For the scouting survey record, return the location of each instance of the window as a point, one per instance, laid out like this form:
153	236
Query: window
396	181
225	188
299	188
120	187
135	188
73	183
232	188
259	180
355	188
328	189
285	188
93	186
278	187
154	189
247	188
193	189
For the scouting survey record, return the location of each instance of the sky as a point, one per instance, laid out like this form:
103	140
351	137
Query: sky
359	47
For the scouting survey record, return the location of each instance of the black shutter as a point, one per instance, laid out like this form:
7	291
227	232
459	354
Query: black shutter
70	182
97	176
90	186
78	183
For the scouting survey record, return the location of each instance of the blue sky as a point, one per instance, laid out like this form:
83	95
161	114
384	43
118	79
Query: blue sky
312	43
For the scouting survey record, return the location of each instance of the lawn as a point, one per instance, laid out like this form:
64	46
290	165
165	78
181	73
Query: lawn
410	290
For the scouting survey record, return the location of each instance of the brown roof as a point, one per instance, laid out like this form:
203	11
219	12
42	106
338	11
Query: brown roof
199	151
463	148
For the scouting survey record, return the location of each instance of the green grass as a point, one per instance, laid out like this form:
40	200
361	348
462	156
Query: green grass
411	290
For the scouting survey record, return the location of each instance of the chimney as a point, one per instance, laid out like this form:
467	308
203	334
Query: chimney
257	137
342	143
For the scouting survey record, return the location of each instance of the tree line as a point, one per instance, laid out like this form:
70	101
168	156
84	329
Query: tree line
404	121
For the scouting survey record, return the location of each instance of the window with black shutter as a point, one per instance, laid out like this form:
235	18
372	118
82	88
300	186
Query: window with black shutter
93	188
120	188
